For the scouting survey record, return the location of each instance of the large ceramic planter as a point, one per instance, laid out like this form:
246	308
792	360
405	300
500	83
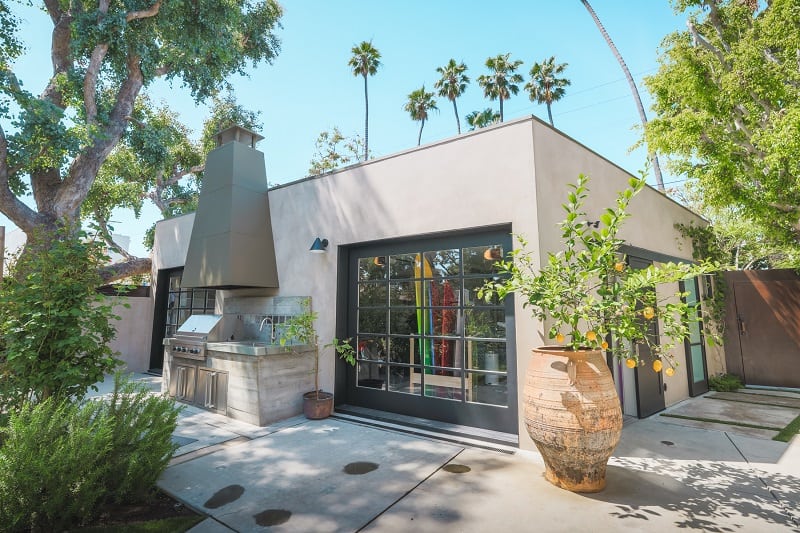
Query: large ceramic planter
317	406
573	414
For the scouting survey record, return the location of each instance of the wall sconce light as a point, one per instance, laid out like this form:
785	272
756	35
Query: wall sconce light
593	223
319	247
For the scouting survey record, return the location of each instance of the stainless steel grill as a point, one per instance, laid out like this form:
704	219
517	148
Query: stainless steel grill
190	340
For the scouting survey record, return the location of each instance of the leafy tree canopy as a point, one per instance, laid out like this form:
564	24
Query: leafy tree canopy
55	145
727	96
333	150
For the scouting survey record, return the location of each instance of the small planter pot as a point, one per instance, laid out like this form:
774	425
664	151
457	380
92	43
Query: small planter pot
573	414
317	405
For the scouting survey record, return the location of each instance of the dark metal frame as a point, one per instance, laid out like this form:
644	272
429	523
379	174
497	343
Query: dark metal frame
499	418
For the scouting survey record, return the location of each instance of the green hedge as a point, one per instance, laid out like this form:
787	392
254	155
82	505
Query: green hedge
61	462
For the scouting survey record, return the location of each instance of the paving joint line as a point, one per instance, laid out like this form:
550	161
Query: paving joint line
409	491
783	505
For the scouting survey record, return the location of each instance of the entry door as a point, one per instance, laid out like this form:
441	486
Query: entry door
695	344
649	384
768	314
427	346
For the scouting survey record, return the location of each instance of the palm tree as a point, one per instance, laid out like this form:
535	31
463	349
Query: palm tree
452	84
634	90
502	82
481	119
365	62
545	87
418	105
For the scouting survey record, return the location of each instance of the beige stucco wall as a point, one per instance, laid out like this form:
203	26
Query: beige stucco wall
483	179
134	331
651	225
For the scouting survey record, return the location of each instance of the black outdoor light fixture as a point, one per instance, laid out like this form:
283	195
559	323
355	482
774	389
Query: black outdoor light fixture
320	246
593	223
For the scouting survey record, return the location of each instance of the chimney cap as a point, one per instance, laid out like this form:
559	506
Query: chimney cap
238	134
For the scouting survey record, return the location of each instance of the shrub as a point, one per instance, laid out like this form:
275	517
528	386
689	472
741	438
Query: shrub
55	327
725	383
141	439
60	462
52	465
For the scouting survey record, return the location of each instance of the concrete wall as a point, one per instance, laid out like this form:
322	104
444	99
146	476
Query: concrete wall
134	331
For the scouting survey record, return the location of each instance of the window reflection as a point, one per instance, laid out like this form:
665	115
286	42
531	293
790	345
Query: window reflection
423	330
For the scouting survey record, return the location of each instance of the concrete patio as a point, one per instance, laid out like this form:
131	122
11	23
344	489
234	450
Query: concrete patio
345	475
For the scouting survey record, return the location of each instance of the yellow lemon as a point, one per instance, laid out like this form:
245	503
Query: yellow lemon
619	267
591	336
630	363
559	338
670	372
604	345
657	365
648	313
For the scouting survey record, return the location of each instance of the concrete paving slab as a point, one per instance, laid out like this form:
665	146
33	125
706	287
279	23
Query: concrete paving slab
652	438
752	389
760	451
763	434
497	492
763	415
297	476
791	402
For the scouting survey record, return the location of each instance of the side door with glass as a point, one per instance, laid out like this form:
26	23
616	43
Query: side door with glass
696	367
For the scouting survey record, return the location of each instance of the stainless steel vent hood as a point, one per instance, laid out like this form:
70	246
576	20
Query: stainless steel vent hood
231	244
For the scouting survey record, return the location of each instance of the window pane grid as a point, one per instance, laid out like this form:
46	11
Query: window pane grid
433	328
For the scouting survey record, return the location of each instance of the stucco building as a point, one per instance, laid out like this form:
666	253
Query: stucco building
411	237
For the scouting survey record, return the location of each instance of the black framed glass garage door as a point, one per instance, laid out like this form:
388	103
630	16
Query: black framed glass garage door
426	345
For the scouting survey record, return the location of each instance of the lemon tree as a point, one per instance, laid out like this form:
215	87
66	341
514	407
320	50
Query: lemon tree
589	295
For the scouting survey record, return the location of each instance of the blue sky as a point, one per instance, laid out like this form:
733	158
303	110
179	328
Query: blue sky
309	88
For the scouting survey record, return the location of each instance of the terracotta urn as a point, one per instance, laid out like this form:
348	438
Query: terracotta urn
573	414
317	406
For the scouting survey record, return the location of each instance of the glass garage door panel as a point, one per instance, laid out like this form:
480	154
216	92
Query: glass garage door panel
423	333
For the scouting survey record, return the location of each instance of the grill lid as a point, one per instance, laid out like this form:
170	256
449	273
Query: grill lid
199	326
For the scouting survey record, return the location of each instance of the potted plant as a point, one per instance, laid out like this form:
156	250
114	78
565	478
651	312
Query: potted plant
299	330
591	302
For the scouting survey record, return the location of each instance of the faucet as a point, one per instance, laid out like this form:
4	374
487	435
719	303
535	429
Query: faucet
268	319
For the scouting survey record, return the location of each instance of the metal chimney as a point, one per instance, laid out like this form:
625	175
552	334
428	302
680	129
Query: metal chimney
231	244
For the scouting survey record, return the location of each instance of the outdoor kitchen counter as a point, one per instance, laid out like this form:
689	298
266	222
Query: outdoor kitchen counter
263	383
255	348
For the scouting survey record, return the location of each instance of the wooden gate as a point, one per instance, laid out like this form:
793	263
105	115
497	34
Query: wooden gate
762	328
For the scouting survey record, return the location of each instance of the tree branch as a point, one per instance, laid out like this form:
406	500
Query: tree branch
85	166
145	13
716	22
130	267
108	238
59	51
90	82
19	213
701	41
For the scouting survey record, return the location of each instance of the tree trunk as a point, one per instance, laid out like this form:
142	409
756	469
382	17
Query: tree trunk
634	91
501	108
366	120
458	121
550	115
419	137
